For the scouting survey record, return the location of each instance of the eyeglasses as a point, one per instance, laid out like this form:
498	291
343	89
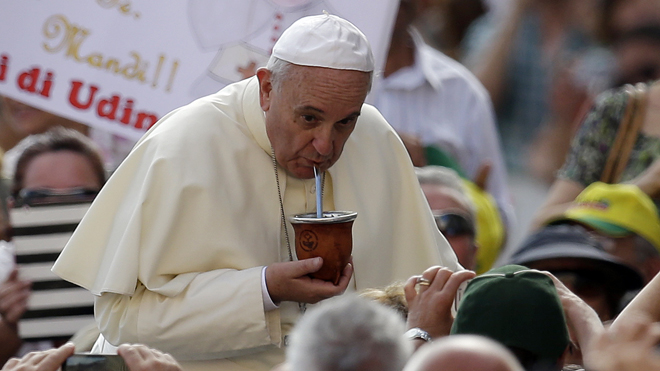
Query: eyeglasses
45	196
452	224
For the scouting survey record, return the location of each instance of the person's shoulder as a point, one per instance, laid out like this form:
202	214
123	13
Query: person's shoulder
448	71
217	112
613	101
372	120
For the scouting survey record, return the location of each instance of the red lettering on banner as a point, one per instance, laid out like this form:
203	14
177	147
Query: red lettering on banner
107	107
128	111
29	81
4	61
75	91
48	83
143	117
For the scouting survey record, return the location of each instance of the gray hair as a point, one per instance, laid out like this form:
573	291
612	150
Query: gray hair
349	333
280	70
445	177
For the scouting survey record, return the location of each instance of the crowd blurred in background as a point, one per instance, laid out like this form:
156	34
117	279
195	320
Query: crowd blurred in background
534	127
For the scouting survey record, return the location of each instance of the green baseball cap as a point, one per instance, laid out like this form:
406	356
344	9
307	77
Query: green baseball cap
516	306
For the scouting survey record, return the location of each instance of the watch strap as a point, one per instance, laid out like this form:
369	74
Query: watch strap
418	333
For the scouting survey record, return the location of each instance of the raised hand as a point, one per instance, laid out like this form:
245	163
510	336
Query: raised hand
49	360
430	298
139	357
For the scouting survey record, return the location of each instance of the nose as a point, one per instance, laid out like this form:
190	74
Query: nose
323	140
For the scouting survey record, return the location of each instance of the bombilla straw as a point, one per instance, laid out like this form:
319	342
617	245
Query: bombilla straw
319	194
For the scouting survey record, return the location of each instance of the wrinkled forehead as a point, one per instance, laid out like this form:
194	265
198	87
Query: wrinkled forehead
329	82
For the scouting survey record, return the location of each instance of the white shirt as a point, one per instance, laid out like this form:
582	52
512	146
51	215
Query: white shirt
441	102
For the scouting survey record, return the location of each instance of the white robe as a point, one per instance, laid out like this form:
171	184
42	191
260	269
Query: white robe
175	242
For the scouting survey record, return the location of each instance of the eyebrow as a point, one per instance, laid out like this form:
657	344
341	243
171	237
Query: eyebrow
312	108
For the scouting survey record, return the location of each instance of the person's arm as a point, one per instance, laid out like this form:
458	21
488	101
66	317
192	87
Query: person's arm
491	63
649	180
563	192
9	339
429	306
560	197
646	303
583	321
14	294
228	301
629	347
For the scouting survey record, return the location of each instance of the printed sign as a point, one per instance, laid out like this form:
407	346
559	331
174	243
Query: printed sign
120	65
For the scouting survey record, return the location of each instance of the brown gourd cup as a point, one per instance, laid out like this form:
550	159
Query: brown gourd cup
330	237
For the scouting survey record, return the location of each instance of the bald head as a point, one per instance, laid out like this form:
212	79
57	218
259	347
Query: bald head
463	352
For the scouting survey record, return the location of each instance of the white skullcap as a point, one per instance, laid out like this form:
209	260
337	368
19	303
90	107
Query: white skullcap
325	41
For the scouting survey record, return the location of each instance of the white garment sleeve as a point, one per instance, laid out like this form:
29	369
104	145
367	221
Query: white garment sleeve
220	314
268	301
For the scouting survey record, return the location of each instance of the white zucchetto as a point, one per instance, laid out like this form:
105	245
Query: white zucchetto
325	41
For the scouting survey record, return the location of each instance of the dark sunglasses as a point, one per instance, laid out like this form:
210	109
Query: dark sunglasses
451	224
44	196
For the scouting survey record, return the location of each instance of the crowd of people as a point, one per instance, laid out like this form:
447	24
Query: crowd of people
188	246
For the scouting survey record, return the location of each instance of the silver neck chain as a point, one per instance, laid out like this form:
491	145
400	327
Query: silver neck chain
279	195
301	306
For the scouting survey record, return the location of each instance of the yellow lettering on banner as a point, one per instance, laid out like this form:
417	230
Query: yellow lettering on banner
123	7
135	70
62	35
95	60
71	37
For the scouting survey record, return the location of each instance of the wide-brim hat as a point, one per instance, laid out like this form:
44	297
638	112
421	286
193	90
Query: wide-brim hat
565	241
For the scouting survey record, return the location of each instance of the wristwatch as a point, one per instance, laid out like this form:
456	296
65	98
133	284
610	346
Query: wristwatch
418	333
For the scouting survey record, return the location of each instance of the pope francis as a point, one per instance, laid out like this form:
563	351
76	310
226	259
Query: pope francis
188	248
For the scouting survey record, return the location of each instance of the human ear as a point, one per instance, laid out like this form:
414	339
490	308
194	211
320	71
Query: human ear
265	88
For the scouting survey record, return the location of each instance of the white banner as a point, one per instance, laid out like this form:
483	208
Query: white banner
120	65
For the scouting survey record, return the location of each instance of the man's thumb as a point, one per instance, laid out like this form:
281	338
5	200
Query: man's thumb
310	265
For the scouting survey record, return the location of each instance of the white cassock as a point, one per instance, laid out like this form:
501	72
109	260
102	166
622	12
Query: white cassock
174	244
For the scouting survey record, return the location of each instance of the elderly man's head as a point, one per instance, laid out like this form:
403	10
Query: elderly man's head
312	91
349	333
453	210
463	352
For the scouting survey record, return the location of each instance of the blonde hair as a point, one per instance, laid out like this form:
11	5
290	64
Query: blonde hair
391	296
